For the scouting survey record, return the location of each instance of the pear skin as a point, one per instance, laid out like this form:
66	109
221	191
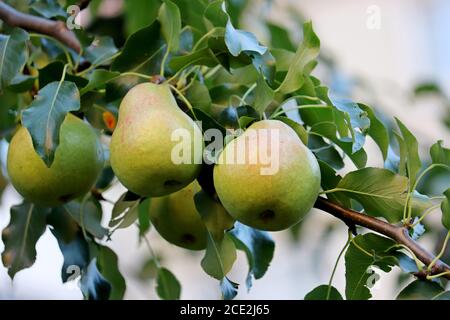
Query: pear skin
141	145
78	162
177	220
273	201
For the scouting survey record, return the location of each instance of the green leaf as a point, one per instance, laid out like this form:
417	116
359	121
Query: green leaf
306	53
380	191
98	79
140	13
202	57
421	290
198	96
215	15
298	128
101	50
445	207
26	226
170	19
167	285
229	289
46	113
53	72
21	83
329	180
325	152
439	154
125	211
413	163
142	51
377	130
321	293
88	214
356	120
279	37
143	217
48	9
442	296
13	55
329	130
263	95
220	249
92	284
378	251
239	41
107	264
219	256
257	245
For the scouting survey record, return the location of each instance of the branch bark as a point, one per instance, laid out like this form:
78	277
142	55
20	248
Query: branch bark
55	29
397	233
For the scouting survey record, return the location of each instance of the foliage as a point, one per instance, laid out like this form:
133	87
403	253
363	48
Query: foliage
231	79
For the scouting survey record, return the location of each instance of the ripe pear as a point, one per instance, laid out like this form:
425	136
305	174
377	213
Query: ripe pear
77	164
266	199
142	143
177	220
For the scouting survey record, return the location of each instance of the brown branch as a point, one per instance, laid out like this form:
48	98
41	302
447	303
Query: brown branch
55	29
397	233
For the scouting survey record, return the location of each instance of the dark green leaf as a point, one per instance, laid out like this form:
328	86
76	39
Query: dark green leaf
88	214
143	217
26	226
329	180
46	113
53	72
125	211
13	55
440	154
229	289
170	19
263	95
445	207
421	290
101	50
48	9
93	285
377	130
380	191
306	53
107	264
140	13
279	37
142	51
98	79
203	57
22	83
324	292
215	14
257	245
413	163
198	96
167	285
298	128
378	251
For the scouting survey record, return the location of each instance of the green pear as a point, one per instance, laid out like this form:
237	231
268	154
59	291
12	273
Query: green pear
77	164
142	145
268	195
177	220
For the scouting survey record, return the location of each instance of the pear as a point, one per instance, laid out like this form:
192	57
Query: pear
267	197
177	220
77	164
142	144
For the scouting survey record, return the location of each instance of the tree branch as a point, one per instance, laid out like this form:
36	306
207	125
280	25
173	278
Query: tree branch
397	233
55	29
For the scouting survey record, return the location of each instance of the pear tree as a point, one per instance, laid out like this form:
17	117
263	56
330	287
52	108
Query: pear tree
219	139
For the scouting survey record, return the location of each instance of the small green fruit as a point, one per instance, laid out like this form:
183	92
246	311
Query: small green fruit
272	201
142	144
178	221
77	164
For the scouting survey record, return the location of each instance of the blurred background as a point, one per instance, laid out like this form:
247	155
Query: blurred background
393	55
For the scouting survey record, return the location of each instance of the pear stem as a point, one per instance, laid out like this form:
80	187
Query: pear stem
400	234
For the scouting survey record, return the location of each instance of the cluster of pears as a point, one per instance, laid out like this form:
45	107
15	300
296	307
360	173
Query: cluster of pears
141	157
76	166
141	149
